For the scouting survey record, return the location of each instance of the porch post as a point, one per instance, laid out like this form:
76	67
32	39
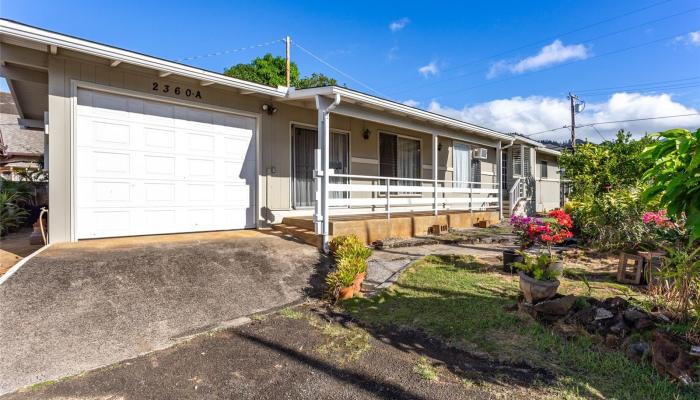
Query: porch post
321	217
499	178
435	174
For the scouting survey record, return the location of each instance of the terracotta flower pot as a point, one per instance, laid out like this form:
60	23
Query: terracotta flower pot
536	291
346	293
357	283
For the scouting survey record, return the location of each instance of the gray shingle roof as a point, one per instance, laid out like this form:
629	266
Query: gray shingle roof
17	140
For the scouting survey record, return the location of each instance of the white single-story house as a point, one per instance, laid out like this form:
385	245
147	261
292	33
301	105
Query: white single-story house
139	145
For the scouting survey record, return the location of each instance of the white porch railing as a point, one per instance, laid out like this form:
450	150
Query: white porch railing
390	193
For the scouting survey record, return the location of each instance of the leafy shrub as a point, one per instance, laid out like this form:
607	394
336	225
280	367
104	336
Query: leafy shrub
350	256
675	175
538	266
611	220
348	247
12	216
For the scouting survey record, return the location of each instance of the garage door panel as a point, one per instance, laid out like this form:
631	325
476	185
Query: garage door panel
142	171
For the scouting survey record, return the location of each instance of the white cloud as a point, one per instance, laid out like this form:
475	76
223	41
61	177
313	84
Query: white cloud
430	69
399	24
551	54
690	39
538	113
411	103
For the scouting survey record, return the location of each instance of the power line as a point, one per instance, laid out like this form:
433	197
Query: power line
223	52
611	122
648	89
599	134
639	84
544	40
573	62
553	37
322	61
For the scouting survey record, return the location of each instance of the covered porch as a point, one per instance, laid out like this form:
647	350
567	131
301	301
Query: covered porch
391	173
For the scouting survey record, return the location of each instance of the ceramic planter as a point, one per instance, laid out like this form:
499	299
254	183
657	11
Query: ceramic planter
346	293
357	283
536	291
510	257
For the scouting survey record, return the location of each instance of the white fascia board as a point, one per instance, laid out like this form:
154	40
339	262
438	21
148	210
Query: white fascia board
546	150
21	31
408	111
526	140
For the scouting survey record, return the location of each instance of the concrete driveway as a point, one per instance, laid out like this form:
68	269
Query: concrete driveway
80	306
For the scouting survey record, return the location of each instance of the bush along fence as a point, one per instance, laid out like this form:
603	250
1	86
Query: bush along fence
350	256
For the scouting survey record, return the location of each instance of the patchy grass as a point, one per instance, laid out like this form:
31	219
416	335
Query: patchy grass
291	313
425	370
258	317
459	299
343	344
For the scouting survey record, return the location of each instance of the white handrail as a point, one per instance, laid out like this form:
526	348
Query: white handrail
394	178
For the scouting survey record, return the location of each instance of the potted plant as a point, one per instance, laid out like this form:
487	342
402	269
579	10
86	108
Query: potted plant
350	256
340	283
538	280
520	224
538	274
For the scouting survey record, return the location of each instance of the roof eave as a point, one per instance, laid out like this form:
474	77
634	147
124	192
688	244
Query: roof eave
30	33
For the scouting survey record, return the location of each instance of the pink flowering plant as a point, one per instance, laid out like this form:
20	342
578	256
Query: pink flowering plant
663	229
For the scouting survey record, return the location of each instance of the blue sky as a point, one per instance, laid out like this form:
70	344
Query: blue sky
504	64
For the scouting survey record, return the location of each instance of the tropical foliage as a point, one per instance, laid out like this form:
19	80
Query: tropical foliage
271	71
538	266
675	175
350	256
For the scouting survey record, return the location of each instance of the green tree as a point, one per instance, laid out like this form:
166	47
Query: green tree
315	80
271	71
597	168
675	175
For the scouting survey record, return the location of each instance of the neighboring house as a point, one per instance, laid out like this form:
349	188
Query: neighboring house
141	145
20	148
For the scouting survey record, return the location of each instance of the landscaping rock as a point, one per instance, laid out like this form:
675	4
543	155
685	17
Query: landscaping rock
567	330
617	303
638	351
631	315
668	358
602	313
644	324
611	340
619	329
557	306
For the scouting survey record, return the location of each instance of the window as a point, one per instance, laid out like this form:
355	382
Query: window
399	156
543	169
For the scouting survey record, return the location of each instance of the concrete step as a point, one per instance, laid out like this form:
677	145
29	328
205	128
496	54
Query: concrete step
305	223
305	235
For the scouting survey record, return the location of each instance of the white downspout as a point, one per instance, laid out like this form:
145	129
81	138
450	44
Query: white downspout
322	172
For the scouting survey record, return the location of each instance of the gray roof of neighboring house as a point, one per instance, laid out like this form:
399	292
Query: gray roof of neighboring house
16	140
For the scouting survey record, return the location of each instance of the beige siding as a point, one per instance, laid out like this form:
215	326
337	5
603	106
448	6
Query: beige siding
548	189
274	150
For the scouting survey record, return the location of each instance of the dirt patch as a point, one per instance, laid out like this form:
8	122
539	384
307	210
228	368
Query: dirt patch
303	358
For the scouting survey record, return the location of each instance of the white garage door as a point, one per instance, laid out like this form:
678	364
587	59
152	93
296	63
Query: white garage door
148	167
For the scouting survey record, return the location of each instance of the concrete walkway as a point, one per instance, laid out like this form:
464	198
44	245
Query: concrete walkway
81	306
385	266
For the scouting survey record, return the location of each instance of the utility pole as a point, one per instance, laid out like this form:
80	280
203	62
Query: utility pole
573	122
576	107
288	43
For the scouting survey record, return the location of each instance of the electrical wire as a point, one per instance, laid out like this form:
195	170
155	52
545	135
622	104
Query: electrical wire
552	37
480	71
327	64
611	122
583	91
223	52
573	62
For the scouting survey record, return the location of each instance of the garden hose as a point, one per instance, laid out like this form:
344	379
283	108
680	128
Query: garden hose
41	224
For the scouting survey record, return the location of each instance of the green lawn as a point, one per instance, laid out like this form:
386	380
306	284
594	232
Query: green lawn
462	301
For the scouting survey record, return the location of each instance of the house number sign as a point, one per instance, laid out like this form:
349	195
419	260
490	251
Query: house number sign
176	90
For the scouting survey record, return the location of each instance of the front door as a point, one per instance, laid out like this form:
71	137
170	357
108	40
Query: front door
304	142
462	163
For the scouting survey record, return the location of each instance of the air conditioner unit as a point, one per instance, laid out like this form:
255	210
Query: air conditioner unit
480	154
